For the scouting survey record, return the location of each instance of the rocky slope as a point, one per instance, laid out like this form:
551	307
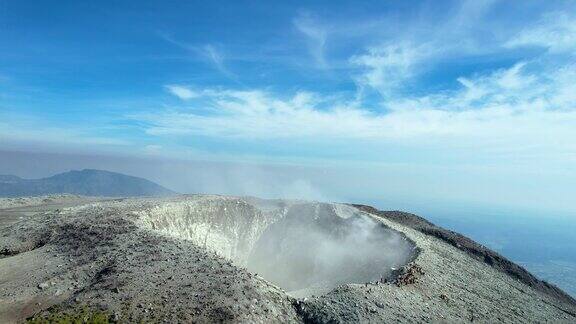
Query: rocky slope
212	258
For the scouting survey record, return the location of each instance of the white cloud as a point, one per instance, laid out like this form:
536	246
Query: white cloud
529	106
555	31
181	92
502	110
501	87
388	67
257	114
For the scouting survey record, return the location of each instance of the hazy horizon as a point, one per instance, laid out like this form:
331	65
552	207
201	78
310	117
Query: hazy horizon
338	183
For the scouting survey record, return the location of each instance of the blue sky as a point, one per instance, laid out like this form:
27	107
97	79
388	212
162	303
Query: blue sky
461	94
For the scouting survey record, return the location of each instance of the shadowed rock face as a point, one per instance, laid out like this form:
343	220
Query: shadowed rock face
299	246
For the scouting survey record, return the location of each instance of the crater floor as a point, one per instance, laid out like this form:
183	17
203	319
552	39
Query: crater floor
210	258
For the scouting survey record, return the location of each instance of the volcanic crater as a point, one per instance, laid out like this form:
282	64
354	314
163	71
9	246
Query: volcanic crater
304	248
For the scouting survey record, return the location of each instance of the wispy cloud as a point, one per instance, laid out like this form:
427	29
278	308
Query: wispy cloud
392	65
502	109
499	110
469	13
174	41
208	51
181	92
217	58
316	35
555	31
387	68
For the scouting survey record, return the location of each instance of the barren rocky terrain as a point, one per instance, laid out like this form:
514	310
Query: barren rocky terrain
205	258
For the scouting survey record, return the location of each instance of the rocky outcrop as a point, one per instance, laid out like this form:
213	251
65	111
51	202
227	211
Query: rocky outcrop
473	249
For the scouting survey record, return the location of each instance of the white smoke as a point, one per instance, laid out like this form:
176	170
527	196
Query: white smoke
314	247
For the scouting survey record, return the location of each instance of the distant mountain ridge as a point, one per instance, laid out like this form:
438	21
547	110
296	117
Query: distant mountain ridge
87	182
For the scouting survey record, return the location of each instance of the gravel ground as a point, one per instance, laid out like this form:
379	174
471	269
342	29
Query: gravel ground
108	257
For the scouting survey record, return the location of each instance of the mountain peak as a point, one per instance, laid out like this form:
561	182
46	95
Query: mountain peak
88	182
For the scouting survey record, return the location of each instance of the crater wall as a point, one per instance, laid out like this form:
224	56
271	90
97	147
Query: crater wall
299	246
